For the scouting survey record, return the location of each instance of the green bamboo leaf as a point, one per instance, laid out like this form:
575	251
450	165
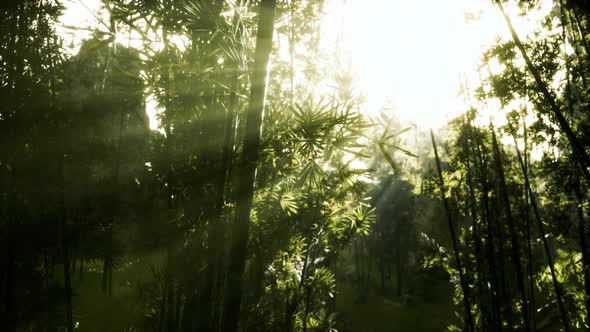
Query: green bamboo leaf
288	203
387	157
406	152
95	46
399	133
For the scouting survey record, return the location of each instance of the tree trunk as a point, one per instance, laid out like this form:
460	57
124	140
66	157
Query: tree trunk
8	312
476	243
290	307
513	235
528	226
248	163
65	249
464	286
579	151
491	257
291	53
481	161
556	285
169	287
584	249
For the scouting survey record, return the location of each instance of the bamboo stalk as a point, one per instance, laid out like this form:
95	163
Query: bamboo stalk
481	163
248	165
579	151
462	280
542	233
528	229
476	236
512	230
584	248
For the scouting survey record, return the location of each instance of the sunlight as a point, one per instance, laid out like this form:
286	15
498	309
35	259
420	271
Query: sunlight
78	21
414	55
81	17
290	181
409	59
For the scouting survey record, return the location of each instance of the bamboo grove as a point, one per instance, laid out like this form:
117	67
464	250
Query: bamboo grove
244	208
523	238
86	182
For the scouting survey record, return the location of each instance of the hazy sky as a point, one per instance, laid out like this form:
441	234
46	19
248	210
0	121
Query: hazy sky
414	53
409	54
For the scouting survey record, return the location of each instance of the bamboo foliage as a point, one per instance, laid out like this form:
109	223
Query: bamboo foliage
261	202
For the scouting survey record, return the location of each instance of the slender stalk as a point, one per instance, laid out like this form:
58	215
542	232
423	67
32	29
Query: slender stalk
215	275
556	285
65	250
584	248
576	40
8	312
476	239
291	53
584	42
528	227
579	151
481	163
512	228
215	130
248	164
462	280
577	186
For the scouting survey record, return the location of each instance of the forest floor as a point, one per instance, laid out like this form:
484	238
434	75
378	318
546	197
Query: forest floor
431	311
96	311
429	308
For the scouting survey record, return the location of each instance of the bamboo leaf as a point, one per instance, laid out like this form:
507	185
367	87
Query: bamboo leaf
388	157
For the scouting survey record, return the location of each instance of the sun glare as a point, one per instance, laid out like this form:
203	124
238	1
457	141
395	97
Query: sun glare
416	56
410	59
81	17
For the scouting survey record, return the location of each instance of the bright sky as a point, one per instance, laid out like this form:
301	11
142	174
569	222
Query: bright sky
415	54
412	55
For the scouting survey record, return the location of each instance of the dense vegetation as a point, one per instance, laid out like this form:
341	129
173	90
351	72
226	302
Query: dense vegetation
266	199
